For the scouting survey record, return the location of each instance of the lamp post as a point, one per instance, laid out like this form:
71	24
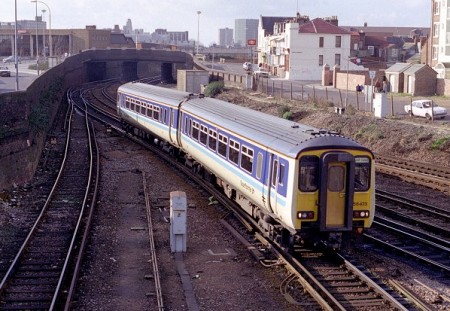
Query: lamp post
346	91
37	42
50	40
16	61
198	28
44	53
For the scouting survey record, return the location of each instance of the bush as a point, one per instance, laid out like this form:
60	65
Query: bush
441	143
214	88
285	112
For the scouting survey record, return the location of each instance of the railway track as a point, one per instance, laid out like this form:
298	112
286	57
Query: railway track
40	275
416	214
30	205
419	173
413	229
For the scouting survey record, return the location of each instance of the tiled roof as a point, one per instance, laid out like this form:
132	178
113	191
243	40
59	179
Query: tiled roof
318	25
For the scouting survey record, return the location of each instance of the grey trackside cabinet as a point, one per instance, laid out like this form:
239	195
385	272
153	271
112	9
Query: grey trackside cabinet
178	219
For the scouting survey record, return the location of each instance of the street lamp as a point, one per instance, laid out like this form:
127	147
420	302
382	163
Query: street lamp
50	40
346	91
43	35
37	42
198	28
16	61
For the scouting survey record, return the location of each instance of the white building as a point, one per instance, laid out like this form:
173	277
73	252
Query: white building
298	48
440	49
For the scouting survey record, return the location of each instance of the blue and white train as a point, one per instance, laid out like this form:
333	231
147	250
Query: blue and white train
297	181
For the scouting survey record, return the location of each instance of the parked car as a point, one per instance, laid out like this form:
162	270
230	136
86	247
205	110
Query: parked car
247	66
11	59
4	72
261	74
425	108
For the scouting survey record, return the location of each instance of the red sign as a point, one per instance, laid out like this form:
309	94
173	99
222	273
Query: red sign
251	42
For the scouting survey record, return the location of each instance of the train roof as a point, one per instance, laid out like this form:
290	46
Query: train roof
279	134
170	97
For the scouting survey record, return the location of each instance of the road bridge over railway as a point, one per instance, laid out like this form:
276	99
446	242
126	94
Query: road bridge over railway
131	64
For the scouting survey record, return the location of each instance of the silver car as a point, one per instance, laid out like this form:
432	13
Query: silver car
11	59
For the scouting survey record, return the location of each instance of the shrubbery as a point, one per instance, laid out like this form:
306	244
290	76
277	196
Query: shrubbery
214	88
285	112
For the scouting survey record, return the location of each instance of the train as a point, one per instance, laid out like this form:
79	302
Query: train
299	183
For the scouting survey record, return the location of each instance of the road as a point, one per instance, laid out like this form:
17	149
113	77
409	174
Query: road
26	77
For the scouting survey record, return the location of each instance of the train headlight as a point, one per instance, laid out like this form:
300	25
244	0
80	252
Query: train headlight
361	214
305	215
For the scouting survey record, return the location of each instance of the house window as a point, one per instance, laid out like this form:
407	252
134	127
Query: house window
320	42
320	60
436	30
338	41
337	59
435	52
436	7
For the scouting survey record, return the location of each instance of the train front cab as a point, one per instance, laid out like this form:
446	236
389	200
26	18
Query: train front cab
335	194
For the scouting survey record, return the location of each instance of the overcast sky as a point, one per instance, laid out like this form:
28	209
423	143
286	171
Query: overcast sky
181	15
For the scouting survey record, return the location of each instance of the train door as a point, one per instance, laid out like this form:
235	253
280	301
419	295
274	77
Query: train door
336	191
172	126
272	183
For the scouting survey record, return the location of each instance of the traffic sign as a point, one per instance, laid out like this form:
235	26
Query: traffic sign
372	74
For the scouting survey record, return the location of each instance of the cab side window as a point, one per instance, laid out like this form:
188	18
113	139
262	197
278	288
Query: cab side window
308	174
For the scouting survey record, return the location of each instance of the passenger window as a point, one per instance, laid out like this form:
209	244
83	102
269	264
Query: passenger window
203	134
274	172
186	127
149	111
233	154
223	143
259	164
362	173
247	159
156	113
212	140
195	130
308	175
281	176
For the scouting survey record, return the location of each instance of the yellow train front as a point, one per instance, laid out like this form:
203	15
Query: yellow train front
335	191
